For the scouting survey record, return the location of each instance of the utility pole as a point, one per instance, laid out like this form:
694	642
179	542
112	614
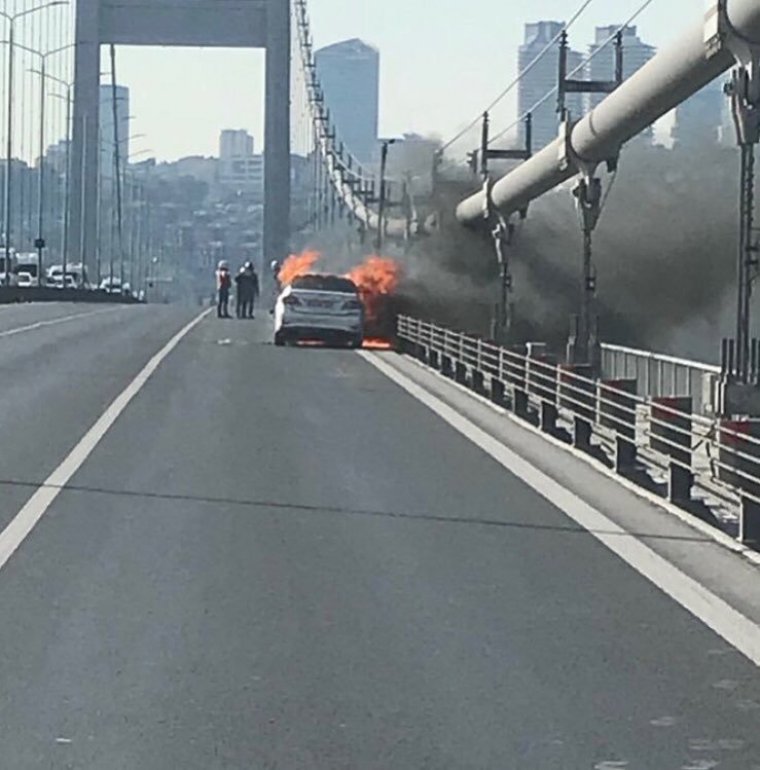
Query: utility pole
746	113
381	204
583	345
11	19
502	230
39	243
117	168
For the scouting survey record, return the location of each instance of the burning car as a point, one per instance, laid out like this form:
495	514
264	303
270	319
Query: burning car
373	286
320	307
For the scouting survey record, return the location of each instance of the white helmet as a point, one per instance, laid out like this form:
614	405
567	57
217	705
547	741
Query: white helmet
223	264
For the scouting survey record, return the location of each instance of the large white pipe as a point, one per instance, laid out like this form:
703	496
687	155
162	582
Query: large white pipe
668	79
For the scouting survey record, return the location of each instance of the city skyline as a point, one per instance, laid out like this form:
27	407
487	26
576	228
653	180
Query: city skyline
421	90
183	97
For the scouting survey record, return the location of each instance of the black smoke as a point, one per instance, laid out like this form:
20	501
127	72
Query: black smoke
665	254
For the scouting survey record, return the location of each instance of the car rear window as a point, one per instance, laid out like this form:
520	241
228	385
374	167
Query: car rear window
325	283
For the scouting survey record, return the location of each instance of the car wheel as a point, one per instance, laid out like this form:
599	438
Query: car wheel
279	339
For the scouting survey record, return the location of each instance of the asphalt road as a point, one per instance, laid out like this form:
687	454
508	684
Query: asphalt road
278	559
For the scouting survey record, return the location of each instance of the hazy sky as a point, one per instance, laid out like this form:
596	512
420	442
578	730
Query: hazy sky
441	62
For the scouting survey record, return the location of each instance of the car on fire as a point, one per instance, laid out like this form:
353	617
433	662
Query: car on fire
320	307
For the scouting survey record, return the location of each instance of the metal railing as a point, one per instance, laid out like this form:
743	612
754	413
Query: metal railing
659	375
701	462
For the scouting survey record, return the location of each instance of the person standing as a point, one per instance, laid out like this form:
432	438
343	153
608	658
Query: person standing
253	287
223	285
241	293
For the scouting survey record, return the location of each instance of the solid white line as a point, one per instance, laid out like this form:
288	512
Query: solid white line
714	612
54	322
26	519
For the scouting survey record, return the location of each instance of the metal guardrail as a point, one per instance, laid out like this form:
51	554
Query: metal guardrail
657	431
659	375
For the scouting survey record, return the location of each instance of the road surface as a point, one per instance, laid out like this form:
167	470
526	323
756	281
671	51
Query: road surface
277	558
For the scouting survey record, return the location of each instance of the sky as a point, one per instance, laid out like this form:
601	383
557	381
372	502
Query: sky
442	62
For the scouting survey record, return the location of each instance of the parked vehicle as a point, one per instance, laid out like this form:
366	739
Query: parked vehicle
26	280
75	269
27	263
57	281
111	285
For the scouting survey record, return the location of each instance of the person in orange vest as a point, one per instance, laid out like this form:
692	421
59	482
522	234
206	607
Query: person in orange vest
223	285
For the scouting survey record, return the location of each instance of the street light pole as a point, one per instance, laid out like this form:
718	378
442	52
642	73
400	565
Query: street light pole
67	192
11	19
67	163
381	204
40	242
9	154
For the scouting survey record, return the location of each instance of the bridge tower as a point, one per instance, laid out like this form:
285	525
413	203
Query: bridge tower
223	23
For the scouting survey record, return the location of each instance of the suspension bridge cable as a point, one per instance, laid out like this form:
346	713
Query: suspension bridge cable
545	98
525	71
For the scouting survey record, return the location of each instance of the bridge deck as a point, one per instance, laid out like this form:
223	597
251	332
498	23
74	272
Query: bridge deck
278	558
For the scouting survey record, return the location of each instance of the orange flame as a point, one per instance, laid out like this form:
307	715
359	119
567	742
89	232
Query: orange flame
376	343
375	278
297	265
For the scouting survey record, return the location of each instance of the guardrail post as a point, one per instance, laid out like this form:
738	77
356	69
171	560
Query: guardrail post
749	522
541	382
733	467
446	362
520	403
549	416
460	373
617	410
478	377
577	393
670	429
582	431
498	392
513	367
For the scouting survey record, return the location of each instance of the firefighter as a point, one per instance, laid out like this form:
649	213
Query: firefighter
251	287
223	285
241	292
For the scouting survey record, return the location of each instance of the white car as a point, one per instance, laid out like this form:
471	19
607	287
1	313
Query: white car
326	308
57	281
111	285
26	281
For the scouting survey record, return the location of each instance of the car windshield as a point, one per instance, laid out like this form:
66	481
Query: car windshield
318	282
30	268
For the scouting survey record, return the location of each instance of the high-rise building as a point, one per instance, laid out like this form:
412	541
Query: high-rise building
700	119
107	144
235	144
541	79
636	53
349	73
602	54
240	170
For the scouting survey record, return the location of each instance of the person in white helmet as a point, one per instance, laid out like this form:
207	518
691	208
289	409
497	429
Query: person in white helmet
223	285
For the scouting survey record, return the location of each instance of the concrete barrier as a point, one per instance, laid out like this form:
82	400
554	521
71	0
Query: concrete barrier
10	295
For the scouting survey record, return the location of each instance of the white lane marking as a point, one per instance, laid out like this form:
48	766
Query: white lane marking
738	630
25	520
54	322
